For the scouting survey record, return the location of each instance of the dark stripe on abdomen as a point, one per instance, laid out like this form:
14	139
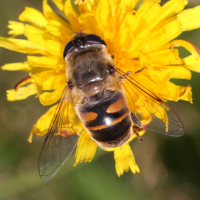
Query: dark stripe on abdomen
112	133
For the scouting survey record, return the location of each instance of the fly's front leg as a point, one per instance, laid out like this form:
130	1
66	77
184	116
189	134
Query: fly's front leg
137	127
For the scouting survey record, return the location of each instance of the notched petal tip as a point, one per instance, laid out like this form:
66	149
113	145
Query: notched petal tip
30	138
86	149
124	159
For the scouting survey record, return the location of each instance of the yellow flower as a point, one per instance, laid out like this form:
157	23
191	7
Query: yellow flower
140	38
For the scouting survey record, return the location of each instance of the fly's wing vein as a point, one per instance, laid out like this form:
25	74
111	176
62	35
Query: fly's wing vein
163	119
61	138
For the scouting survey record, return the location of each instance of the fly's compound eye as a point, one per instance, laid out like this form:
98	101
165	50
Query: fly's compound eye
69	46
79	42
95	39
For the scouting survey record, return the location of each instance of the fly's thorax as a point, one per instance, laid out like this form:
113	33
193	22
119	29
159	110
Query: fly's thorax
88	71
107	118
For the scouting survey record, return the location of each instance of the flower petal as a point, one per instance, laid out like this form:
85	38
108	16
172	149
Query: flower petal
22	46
33	16
30	138
46	62
193	49
155	40
190	18
185	93
165	57
59	4
22	92
50	15
49	80
60	30
86	148
55	48
178	72
43	123
192	63
72	16
17	28
176	92
171	8
161	37
124	160
49	98
24	66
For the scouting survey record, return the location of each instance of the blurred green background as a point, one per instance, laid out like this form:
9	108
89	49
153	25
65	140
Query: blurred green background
170	167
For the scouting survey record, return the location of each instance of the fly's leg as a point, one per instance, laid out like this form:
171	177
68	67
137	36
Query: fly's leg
137	127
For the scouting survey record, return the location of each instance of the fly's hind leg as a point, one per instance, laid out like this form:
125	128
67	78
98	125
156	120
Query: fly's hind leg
136	132
137	127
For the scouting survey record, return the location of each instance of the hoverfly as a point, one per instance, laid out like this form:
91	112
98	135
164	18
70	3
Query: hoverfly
96	95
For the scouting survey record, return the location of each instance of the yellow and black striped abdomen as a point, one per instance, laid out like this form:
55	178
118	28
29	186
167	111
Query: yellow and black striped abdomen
107	119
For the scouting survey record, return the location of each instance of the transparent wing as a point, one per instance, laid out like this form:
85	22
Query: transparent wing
145	103
61	138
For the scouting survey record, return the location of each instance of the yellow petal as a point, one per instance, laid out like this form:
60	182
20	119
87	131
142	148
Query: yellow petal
48	98
160	76
147	15
185	93
50	15
86	20
50	80
103	13
38	37
30	138
17	28
189	18
59	4
86	148
43	123
33	16
24	66
124	160
60	30
176	92
46	62
55	48
22	46
84	6
28	67
178	72
155	40
193	49
162	36
165	57
192	63
172	7
35	36
144	113
22	92
129	4
72	16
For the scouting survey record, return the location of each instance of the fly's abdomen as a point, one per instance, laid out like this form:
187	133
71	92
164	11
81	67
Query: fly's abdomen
107	120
